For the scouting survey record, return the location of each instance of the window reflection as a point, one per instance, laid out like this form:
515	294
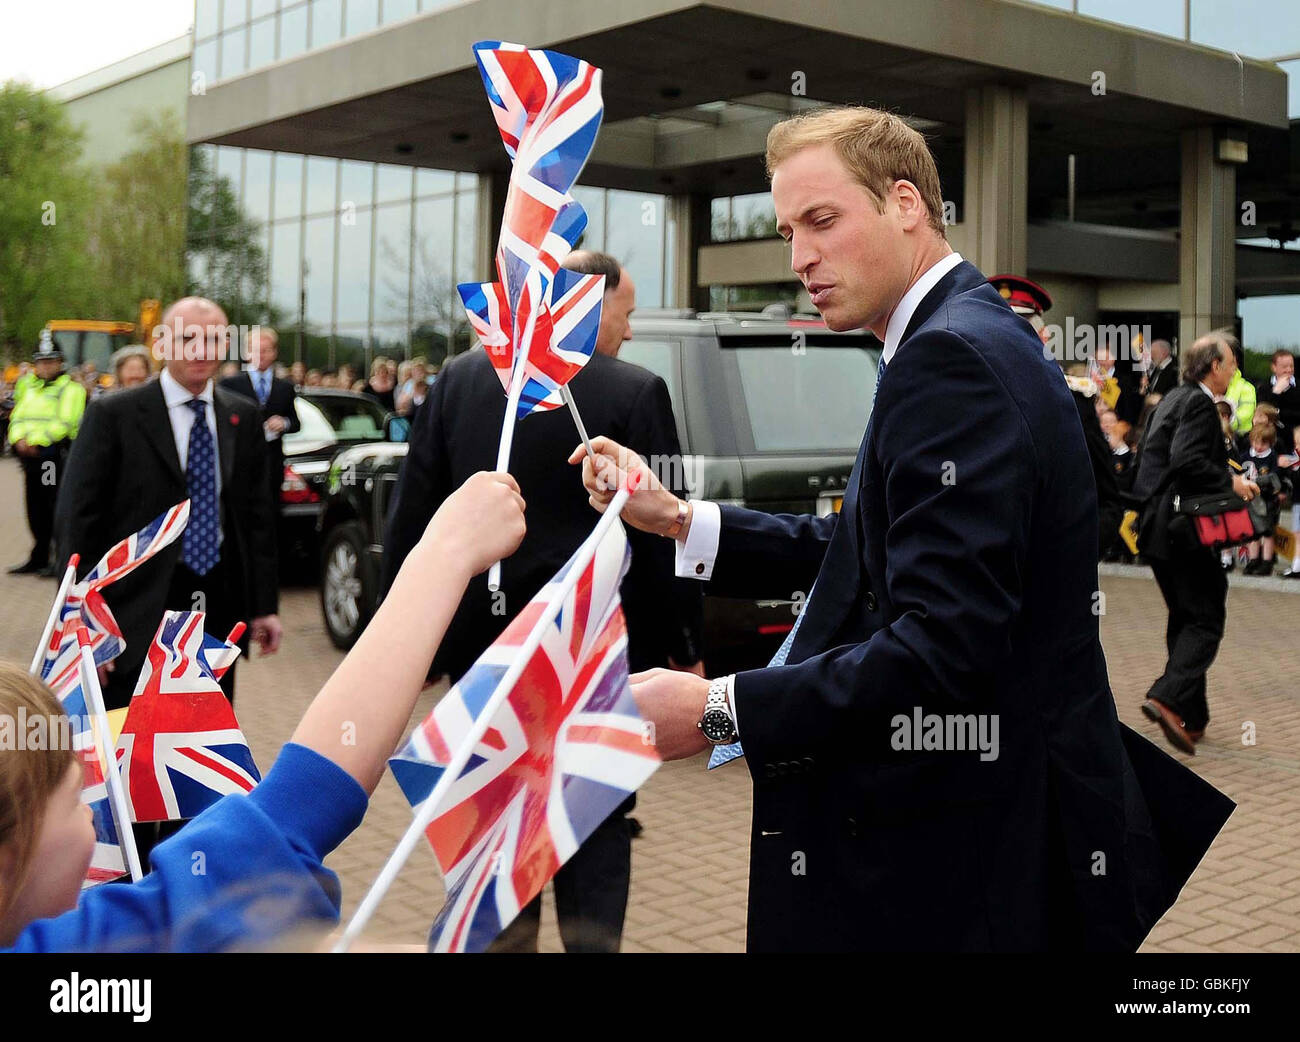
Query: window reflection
396	10
293	31
286	269
261	43
233	59
326	21
288	185
354	267
318	272
322	178
635	238
363	15
392	263
206	16
357	183
257	185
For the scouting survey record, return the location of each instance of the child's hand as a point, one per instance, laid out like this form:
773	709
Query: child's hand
482	522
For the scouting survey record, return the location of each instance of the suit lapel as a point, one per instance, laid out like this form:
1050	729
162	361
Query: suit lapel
963	277
157	428
225	433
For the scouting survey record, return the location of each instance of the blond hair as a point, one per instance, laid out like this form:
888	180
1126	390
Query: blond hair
878	148
28	778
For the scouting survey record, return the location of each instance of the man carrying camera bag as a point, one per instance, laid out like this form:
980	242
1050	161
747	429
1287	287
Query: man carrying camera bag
1184	454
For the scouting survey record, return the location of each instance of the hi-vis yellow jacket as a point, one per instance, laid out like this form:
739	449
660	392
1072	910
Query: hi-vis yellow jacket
48	413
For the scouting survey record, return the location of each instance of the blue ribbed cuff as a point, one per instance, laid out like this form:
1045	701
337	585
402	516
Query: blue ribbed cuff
315	803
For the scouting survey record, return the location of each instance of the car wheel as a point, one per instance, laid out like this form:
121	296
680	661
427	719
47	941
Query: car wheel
348	585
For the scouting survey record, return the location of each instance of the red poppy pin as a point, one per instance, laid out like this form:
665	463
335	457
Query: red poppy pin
234	419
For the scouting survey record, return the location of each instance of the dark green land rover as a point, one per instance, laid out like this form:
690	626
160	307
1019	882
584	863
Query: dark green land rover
770	411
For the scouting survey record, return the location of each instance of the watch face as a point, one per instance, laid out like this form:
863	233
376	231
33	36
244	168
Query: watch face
716	726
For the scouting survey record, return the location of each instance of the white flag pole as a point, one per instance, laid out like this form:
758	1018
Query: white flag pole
69	577
567	395
512	407
428	809
107	754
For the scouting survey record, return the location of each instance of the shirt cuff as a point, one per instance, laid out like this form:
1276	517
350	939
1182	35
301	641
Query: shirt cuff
731	704
695	557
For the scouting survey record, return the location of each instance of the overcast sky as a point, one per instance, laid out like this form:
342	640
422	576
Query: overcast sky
50	41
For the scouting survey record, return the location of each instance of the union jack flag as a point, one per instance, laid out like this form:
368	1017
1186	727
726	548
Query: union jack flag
564	749
181	748
548	109
85	601
107	861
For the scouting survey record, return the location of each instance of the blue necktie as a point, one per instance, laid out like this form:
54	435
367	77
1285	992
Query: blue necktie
726	753
263	386
199	546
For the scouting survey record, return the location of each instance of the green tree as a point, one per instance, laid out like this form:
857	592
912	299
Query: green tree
45	203
138	237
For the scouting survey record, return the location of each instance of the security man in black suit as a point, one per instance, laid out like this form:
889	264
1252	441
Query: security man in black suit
274	396
1183	453
455	435
142	451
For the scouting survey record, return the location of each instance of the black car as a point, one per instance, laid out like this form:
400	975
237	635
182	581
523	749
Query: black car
328	420
770	412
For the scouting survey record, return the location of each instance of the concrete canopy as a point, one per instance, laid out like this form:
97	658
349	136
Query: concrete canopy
409	92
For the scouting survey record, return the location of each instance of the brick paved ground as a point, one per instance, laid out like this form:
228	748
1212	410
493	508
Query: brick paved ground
690	865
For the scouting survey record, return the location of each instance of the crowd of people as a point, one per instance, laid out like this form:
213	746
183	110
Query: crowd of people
1260	426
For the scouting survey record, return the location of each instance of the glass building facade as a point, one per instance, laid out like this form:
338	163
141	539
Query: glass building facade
352	259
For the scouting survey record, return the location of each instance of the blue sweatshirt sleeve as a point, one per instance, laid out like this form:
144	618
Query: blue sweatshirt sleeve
245	871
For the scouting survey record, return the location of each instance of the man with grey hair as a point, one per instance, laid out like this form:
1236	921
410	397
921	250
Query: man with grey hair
1184	453
1162	377
145	449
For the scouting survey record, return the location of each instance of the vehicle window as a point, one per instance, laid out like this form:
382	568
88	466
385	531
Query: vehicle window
812	401
349	418
659	356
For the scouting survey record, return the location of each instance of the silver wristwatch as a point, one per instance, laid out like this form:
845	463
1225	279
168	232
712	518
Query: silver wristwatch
717	723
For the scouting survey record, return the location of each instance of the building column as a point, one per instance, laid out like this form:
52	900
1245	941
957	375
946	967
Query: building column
689	218
997	164
1207	271
492	187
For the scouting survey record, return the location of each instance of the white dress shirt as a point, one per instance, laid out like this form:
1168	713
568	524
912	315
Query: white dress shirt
182	421
695	557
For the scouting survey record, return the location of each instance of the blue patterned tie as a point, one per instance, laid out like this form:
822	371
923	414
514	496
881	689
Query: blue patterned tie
263	386
199	547
726	753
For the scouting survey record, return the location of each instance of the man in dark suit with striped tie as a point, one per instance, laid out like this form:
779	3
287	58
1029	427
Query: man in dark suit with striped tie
935	752
275	397
144	450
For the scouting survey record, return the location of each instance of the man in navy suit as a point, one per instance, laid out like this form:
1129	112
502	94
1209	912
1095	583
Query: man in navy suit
936	757
276	398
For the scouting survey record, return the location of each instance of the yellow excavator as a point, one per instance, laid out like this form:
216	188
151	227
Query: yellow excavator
90	340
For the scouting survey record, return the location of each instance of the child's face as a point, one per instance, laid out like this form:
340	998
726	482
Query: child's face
64	848
1259	446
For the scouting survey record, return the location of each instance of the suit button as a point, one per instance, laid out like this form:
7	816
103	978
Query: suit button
769	769
852	824
782	768
808	763
699	568
871	601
